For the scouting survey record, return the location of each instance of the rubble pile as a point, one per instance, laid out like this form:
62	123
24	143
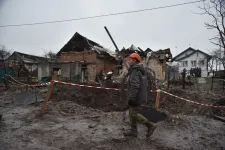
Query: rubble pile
109	100
101	99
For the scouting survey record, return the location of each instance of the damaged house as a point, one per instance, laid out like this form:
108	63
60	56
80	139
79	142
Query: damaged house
155	60
86	57
29	68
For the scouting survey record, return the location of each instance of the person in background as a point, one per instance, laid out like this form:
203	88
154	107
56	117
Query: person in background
191	72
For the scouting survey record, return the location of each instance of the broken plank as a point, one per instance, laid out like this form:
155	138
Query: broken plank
48	95
219	118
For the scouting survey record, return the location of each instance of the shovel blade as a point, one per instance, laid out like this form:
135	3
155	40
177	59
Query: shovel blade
152	114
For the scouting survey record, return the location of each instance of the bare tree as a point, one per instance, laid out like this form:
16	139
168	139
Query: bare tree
220	58
4	54
216	10
50	57
211	64
217	59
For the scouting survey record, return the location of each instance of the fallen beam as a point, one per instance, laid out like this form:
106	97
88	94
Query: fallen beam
219	118
44	106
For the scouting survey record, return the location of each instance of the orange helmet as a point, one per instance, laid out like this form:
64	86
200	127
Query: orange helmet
136	56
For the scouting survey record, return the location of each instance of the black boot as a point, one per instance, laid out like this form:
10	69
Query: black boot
132	132
151	128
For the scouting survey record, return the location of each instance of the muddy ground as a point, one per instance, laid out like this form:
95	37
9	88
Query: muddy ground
71	124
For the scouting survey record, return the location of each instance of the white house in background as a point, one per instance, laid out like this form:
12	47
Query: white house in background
191	58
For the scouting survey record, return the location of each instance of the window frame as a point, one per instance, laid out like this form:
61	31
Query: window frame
200	62
192	62
184	63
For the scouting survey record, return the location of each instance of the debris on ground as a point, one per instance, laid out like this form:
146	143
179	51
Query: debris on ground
27	97
90	120
176	106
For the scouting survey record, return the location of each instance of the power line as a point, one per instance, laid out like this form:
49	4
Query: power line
99	16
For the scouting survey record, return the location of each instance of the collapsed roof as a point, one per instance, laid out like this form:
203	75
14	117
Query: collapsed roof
79	43
160	54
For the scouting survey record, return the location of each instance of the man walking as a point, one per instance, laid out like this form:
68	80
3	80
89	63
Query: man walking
137	93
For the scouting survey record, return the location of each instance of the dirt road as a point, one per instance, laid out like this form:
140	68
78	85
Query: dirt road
67	125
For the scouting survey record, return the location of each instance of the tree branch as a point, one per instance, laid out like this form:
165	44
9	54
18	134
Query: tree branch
222	14
216	44
210	26
215	9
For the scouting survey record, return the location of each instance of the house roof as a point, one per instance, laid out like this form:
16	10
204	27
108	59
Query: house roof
193	52
78	43
189	49
132	49
26	58
142	53
164	54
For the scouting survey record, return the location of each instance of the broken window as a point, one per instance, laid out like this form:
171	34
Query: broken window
57	71
84	73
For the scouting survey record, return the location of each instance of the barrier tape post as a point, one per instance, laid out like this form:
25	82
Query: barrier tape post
89	86
35	90
157	100
48	95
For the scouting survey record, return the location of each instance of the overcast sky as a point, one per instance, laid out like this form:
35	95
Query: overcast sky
176	28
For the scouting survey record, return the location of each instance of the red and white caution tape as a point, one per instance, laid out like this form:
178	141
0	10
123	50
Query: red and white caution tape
88	86
114	89
24	84
10	81
197	103
67	83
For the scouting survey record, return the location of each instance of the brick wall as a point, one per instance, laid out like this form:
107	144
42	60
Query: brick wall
96	64
159	68
87	56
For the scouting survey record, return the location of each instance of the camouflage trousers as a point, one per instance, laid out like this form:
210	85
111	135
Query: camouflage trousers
136	117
